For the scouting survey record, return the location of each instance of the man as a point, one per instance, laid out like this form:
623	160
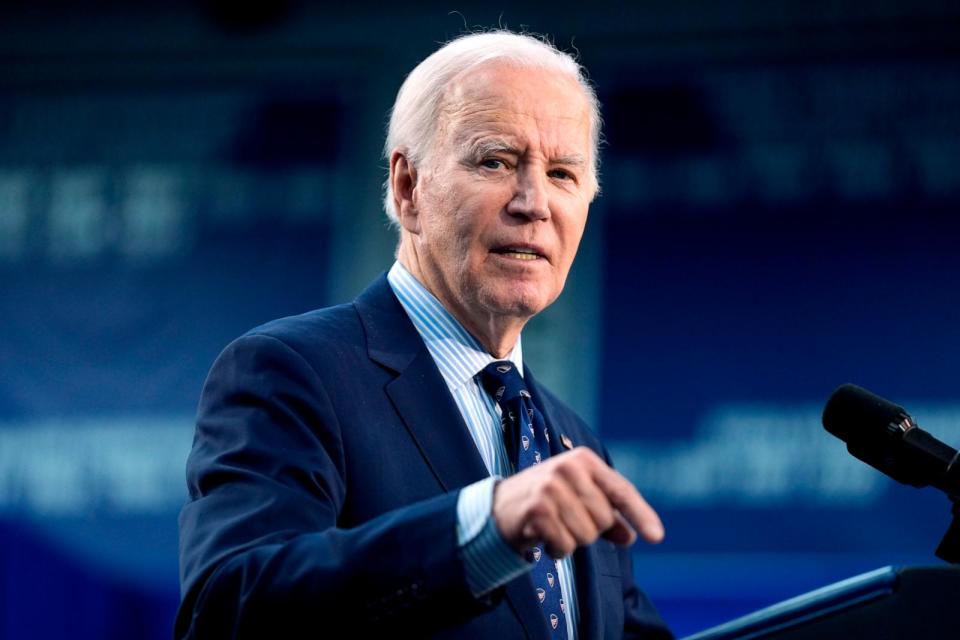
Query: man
390	467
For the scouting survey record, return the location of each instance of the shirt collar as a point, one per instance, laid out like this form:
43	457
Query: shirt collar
458	355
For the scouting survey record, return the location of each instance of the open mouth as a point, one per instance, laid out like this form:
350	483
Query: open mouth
519	253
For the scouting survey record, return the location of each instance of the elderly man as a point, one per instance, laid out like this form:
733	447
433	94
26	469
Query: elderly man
391	466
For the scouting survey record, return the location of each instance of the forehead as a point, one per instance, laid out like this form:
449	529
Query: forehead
529	106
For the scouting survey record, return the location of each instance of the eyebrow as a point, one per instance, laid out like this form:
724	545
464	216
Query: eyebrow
571	160
487	147
484	148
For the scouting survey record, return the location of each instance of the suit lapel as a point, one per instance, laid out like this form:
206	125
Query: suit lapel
423	401
434	422
430	415
418	392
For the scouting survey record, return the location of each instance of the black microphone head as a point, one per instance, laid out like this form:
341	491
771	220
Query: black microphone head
853	413
874	430
884	436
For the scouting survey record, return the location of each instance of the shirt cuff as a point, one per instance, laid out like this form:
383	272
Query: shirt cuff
488	560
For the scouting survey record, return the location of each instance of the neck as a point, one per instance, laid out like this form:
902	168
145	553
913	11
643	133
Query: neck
497	334
498	339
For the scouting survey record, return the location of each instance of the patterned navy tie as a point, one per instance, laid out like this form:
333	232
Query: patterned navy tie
528	443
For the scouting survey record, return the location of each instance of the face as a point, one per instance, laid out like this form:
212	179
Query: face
500	202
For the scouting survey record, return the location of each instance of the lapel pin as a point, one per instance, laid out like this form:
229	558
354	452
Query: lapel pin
565	441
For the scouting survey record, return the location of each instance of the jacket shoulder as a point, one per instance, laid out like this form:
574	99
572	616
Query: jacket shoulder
314	329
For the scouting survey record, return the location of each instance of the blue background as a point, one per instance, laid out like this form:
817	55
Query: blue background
778	216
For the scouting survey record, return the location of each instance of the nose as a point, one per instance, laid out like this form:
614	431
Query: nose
530	199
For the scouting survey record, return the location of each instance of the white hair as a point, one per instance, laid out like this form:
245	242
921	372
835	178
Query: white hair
416	111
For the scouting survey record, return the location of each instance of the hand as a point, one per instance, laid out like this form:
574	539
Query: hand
568	501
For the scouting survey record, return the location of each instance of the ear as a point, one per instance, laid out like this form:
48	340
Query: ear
403	181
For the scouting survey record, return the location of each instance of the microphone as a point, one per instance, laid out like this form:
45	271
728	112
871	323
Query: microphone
884	436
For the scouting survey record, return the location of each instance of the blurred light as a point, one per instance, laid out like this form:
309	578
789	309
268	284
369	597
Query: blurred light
153	212
763	456
14	208
79	227
128	466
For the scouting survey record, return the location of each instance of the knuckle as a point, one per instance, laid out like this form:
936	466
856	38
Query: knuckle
605	520
617	492
582	453
555	474
569	472
586	536
540	511
621	490
552	490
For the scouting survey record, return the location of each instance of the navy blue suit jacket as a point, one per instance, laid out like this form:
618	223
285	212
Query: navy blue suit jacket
323	485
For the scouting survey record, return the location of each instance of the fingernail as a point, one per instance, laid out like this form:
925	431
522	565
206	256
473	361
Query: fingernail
653	531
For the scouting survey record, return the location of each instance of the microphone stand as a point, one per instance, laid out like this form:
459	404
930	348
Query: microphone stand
949	547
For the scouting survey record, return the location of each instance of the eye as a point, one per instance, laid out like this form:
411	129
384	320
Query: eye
561	174
493	163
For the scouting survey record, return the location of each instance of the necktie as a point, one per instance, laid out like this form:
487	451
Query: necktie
528	443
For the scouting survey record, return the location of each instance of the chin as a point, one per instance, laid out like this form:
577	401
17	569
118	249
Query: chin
519	301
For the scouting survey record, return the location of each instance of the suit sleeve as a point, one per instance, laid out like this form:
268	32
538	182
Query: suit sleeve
261	554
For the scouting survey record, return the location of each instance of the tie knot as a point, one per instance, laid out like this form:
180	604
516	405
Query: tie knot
502	381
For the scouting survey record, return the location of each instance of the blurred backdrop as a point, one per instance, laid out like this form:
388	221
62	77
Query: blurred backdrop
781	184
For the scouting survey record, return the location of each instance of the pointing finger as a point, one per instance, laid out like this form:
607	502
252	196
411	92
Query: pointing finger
630	504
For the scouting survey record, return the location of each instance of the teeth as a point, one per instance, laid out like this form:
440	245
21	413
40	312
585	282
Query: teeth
521	255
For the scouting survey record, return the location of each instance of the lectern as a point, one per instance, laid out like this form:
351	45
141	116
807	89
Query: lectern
911	603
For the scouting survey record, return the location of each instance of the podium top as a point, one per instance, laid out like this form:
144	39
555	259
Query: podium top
826	600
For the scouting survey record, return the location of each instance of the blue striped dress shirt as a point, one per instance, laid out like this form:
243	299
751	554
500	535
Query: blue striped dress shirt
489	561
